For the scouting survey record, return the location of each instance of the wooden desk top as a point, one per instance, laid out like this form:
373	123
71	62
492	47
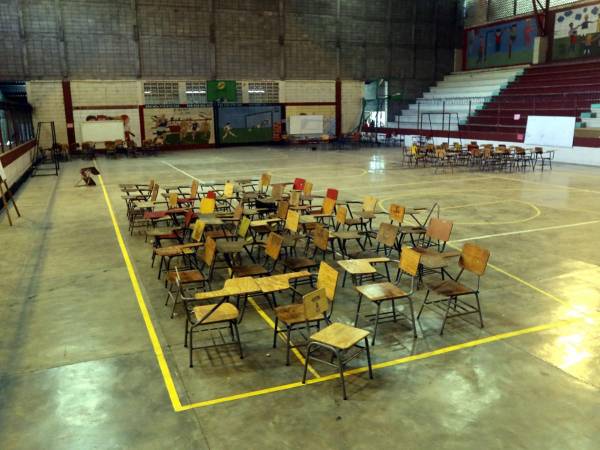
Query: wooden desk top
281	282
361	266
233	286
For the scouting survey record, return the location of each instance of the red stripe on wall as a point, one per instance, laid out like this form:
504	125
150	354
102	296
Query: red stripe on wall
68	101
10	156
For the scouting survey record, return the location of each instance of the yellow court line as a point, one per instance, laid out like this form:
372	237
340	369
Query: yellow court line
158	352
391	363
270	322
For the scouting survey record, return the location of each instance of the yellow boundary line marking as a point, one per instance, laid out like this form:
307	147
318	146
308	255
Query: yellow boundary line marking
270	322
391	363
158	351
168	379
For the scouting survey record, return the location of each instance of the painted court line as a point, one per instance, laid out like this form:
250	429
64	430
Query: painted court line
531	230
270	322
173	395
156	347
391	363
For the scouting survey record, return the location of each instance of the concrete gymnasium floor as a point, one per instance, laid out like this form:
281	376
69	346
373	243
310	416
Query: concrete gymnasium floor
79	371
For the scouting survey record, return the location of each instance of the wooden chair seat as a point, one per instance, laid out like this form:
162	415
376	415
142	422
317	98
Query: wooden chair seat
381	291
366	215
220	234
231	246
291	240
340	336
449	288
353	221
293	314
162	231
412	230
262	229
251	270
175	250
186	276
223	313
296	264
345	235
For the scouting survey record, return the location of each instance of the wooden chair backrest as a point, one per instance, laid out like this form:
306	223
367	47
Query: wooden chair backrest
440	153
198	230
539	150
228	190
211	194
265	180
172	200
387	234
327	279
369	203
151	183
321	237
316	304
243	228
187	219
194	189
487	152
277	191
439	229
474	258
109	145
238	212
273	246
154	193
282	209
332	193
298	184
295	198
210	251
292	221
397	213
207	205
409	261
341	214
519	150
328	205
307	191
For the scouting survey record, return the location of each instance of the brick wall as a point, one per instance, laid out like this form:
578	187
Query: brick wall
106	93
307	91
352	94
46	97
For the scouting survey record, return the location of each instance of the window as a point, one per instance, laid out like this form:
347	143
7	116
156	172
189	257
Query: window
263	92
195	92
161	93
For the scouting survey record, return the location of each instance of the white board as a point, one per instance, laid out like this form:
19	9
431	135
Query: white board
305	125
554	131
102	130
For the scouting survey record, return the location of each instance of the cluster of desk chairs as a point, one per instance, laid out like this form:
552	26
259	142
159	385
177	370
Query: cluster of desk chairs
266	238
475	157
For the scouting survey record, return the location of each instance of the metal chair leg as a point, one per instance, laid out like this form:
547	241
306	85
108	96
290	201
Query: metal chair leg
357	309
479	310
412	316
239	340
275	333
369	357
341	366
288	345
376	323
308	351
445	317
423	305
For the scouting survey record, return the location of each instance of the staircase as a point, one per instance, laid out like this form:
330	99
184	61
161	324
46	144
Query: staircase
452	100
565	89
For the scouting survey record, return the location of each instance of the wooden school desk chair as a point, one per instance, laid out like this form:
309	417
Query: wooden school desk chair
293	317
387	293
474	260
337	338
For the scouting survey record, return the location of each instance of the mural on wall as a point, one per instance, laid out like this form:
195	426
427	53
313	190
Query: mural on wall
241	124
327	111
501	44
577	33
130	118
173	126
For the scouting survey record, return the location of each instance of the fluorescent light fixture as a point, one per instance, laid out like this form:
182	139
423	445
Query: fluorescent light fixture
195	92
147	92
256	91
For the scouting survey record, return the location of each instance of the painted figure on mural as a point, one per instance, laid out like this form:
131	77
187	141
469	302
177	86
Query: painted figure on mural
512	37
498	39
228	131
527	30
127	126
572	38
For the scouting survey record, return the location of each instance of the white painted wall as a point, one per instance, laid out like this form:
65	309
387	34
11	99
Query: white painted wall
18	167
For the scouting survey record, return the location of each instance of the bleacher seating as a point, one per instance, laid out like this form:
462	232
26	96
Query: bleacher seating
565	89
459	93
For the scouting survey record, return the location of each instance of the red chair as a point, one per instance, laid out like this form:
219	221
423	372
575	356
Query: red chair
332	194
298	184
211	194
